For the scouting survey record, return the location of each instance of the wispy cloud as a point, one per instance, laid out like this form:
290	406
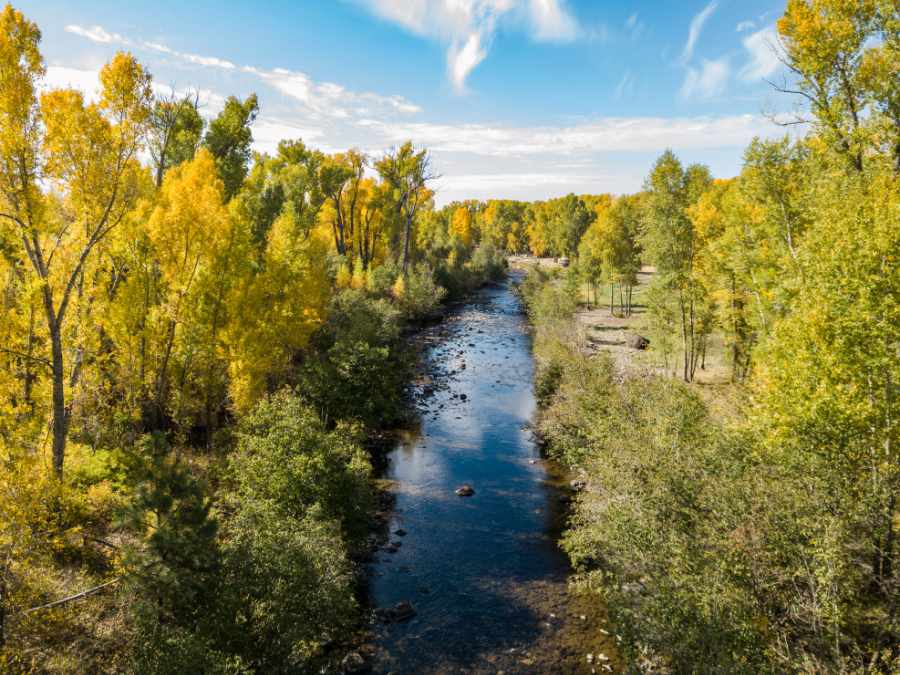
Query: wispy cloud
209	61
320	98
707	81
468	27
762	47
608	134
96	34
744	26
327	98
695	29
625	86
634	26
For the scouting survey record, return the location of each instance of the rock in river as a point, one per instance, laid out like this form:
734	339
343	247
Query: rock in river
402	611
353	663
465	490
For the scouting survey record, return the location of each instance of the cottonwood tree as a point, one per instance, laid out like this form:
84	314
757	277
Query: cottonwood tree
87	152
174	134
229	137
406	174
843	56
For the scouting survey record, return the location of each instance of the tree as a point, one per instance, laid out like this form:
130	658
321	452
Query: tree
829	373
569	220
174	132
843	57
88	153
228	138
668	238
406	174
192	236
461	225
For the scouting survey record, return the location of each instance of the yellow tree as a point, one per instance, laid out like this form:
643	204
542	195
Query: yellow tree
88	153
844	56
276	309
195	245
461	225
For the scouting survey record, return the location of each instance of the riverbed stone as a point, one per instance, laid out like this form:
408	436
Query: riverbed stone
465	490
353	663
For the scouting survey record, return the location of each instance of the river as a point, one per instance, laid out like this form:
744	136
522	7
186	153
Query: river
484	574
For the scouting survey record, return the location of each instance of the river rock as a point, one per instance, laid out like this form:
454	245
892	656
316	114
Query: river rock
463	397
353	663
465	490
578	484
403	611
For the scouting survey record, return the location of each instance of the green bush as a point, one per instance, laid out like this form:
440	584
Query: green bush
285	456
357	367
291	586
487	264
421	295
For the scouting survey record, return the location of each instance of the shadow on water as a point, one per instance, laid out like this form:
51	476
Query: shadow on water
484	573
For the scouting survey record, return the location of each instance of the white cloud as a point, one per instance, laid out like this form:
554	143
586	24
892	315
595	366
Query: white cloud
209	61
696	28
609	134
745	25
468	26
96	34
762	47
462	59
327	99
62	77
708	81
551	22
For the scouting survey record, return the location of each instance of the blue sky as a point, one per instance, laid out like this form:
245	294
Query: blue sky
523	99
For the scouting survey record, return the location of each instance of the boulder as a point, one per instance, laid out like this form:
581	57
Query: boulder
578	484
638	342
465	490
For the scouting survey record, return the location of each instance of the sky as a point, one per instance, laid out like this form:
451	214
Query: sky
519	99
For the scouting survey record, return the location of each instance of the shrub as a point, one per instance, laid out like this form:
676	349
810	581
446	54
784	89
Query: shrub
357	367
421	295
285	456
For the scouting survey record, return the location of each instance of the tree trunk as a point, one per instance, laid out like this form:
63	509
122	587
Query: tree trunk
684	339
60	418
406	235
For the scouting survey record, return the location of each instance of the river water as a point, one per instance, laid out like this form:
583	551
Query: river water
483	573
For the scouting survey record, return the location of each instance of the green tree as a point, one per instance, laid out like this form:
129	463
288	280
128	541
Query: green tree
669	240
228	138
174	132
